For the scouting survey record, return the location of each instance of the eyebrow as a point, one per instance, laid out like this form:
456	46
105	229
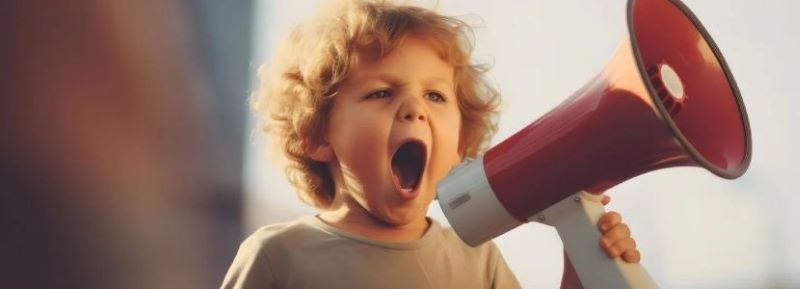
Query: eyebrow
395	80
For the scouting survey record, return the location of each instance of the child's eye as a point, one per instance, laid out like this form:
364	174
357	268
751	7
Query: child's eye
380	94
436	96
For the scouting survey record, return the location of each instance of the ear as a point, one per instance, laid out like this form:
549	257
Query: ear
462	150
319	152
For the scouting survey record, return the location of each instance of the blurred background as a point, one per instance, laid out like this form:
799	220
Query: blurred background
123	130
129	158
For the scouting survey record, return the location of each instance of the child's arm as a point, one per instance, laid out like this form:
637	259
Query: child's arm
616	242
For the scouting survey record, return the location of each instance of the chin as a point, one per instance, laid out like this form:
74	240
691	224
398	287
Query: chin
402	217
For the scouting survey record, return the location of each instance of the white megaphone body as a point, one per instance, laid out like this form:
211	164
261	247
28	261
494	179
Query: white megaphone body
666	99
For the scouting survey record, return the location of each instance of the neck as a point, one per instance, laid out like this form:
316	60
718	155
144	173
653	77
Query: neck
357	220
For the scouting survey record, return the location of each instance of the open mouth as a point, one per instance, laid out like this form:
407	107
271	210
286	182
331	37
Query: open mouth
408	163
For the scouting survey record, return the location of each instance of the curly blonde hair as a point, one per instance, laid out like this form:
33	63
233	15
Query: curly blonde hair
297	90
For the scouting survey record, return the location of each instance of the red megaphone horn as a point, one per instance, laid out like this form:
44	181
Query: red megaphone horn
666	99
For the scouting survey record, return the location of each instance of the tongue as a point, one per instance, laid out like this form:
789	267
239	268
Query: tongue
407	165
406	174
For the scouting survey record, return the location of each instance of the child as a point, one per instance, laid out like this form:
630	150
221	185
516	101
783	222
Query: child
373	104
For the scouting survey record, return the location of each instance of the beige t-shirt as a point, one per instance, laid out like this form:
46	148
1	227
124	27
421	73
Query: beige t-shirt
308	253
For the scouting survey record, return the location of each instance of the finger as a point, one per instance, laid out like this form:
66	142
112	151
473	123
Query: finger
605	200
610	251
632	256
617	233
608	248
620	247
624	245
608	221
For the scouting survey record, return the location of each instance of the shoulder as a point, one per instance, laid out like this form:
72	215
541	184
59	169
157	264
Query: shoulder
487	253
283	243
494	266
280	234
253	266
452	239
484	263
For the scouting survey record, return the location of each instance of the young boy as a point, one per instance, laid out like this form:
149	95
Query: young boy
373	104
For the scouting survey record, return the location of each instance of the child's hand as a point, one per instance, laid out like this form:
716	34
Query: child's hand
616	240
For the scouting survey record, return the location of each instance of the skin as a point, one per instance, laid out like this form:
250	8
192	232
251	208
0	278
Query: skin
406	94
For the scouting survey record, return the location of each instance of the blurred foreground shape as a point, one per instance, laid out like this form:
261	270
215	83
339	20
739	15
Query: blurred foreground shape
121	149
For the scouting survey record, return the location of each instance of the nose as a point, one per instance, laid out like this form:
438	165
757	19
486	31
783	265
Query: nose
412	109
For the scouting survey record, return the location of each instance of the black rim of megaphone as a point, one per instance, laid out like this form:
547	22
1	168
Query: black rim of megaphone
729	174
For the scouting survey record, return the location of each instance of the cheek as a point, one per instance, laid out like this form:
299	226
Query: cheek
358	142
446	148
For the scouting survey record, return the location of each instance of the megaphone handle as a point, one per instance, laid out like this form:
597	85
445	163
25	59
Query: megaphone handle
575	219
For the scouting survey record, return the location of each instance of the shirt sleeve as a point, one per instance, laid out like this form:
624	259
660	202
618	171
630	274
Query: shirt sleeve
250	268
503	278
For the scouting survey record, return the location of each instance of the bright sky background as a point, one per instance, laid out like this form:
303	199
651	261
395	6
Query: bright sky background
694	230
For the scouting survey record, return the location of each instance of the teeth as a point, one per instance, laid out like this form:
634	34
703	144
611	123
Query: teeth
405	190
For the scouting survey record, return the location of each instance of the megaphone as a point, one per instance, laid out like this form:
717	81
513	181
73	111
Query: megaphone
666	99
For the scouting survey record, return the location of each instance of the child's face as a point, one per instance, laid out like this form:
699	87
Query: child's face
394	131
